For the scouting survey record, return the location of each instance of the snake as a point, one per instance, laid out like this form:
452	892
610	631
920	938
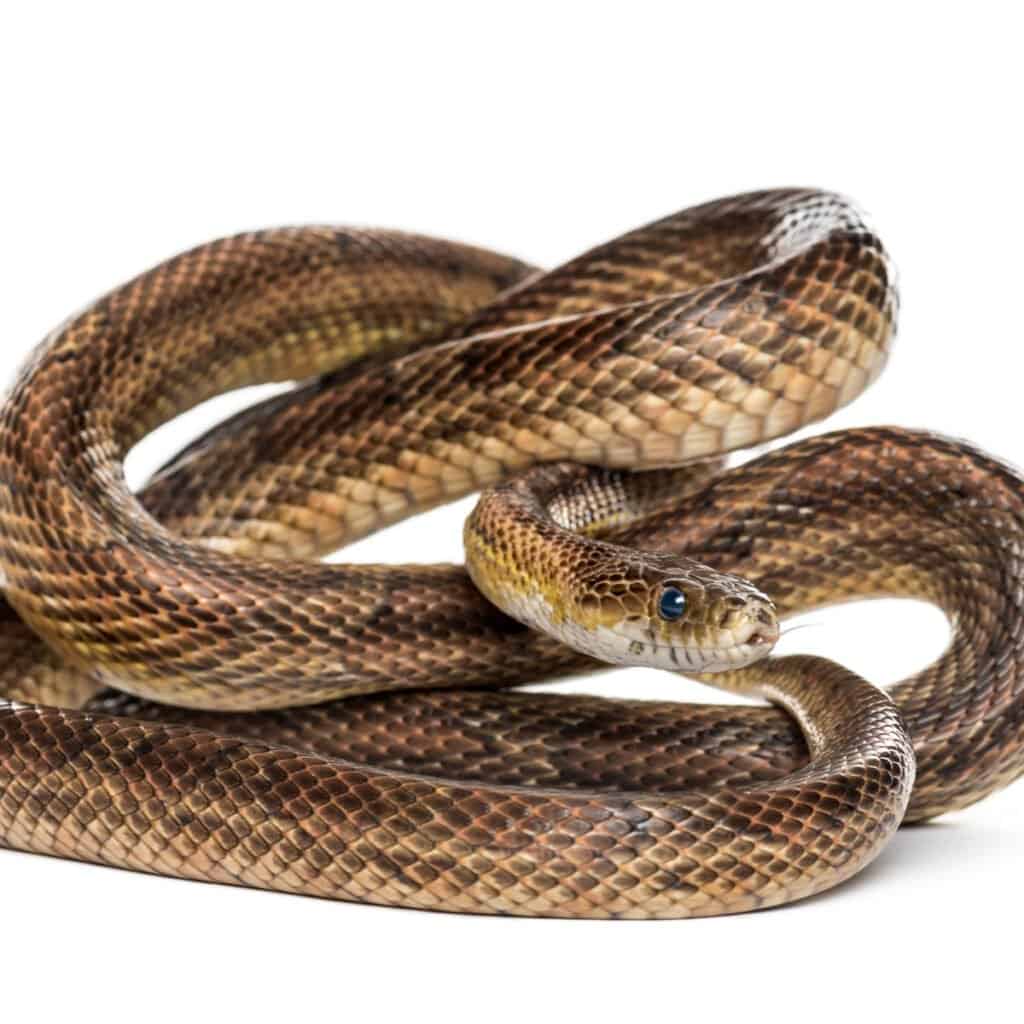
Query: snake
190	691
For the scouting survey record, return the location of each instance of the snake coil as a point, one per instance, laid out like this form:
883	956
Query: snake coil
340	731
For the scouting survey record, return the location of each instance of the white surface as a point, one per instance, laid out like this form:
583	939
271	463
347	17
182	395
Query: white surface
132	132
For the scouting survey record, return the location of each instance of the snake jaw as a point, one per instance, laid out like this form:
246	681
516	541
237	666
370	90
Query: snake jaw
746	633
755	639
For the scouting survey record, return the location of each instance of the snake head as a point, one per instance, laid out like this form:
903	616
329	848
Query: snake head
663	611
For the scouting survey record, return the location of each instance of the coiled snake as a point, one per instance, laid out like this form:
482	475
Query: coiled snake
290	762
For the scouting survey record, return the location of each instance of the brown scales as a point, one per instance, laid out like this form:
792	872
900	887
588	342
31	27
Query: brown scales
551	806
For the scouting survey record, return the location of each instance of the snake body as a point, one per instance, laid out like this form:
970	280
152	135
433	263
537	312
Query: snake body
717	328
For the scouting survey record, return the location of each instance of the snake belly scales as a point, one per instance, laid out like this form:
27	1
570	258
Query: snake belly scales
189	691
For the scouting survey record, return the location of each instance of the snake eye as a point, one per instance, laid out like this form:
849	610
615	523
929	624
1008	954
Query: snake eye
671	604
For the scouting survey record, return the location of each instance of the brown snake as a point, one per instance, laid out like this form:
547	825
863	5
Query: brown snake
717	328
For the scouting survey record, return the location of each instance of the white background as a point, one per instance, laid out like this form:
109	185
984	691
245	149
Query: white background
131	132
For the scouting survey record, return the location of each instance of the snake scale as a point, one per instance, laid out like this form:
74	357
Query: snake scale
190	692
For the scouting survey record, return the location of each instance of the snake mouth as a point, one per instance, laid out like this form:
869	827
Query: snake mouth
762	634
724	657
750	643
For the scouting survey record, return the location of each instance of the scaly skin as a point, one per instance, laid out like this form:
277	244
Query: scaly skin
669	379
178	799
